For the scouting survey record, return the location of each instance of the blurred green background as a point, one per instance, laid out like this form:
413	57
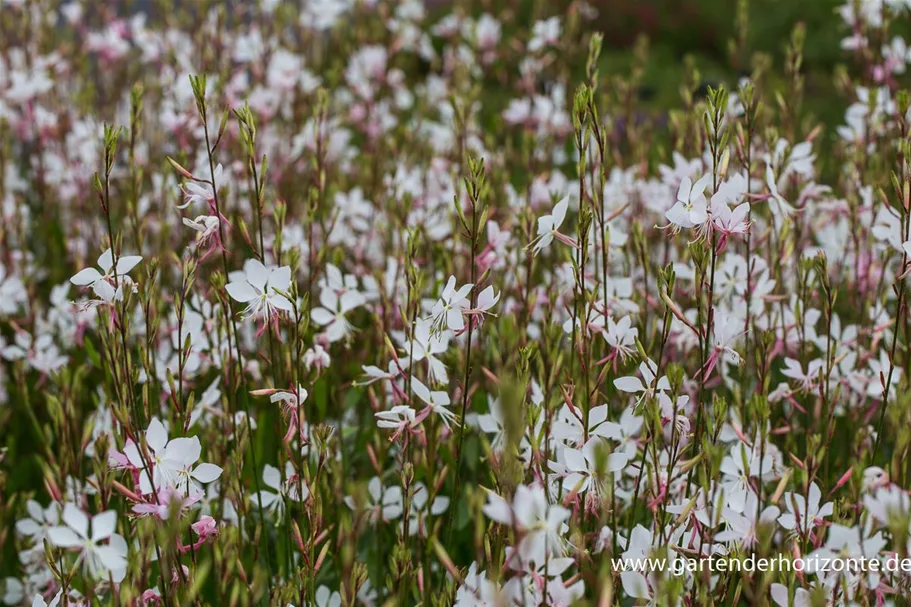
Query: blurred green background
704	29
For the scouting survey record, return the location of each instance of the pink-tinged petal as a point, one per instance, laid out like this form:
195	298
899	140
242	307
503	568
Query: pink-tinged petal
86	277
597	415
206	473
678	216
241	291
156	435
334	276
104	525
76	520
699	215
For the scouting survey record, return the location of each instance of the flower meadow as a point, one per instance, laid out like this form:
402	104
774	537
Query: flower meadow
377	303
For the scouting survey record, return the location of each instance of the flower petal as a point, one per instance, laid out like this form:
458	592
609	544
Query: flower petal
85	277
241	291
257	274
127	263
206	473
76	520
64	537
156	435
104	525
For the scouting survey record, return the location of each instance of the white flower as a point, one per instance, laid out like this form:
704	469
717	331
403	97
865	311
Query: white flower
419	509
887	504
438	401
725	330
492	423
332	313
781	209
195	191
99	558
578	467
691	208
39	520
316	357
802	596
845	543
544	33
171	462
648	369
621	336
384	503
739	466
205	226
104	284
741	528
486	300
255	286
549	226
477	590
803	514
38	601
274	500
448	309
12	292
399	418
426	345
541	523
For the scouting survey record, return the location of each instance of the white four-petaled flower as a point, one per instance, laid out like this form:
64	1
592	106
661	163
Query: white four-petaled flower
256	286
104	284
